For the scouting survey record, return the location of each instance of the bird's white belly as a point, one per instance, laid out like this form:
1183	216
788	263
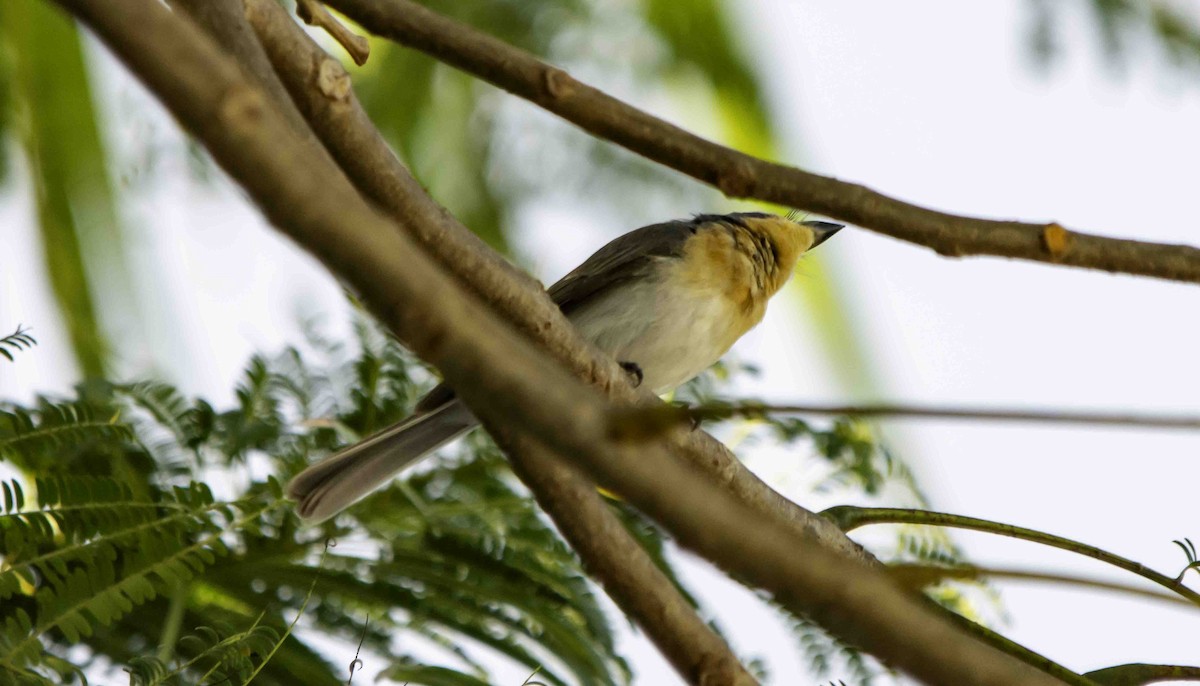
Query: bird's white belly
672	338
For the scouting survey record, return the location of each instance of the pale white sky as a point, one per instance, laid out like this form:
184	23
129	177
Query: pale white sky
933	102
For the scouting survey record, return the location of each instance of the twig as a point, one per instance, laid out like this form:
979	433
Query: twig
357	663
500	376
642	422
739	175
299	613
849	517
920	576
314	14
1139	674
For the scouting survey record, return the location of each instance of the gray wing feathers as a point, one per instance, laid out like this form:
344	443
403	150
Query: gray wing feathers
336	482
624	258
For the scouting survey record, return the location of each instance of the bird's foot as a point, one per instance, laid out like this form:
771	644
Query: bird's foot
634	370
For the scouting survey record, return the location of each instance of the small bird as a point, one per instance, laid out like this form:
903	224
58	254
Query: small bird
666	301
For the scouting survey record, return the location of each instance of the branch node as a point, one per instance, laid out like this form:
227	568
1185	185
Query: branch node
314	13
557	84
332	80
1056	240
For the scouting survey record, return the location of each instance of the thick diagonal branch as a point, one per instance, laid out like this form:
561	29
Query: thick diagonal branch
742	176
611	556
500	376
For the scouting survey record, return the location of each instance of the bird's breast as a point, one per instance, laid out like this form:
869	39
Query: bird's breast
669	325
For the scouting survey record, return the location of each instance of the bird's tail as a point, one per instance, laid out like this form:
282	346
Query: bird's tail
334	483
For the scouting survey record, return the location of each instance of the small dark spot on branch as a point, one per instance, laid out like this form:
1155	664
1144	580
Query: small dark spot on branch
241	109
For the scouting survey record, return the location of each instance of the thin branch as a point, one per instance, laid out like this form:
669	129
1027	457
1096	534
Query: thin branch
742	176
314	14
1140	674
652	420
921	576
499	375
321	88
1011	647
849	517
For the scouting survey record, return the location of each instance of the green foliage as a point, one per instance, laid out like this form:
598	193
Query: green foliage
410	672
110	552
6	106
1123	25
827	655
51	435
698	37
222	653
17	340
458	555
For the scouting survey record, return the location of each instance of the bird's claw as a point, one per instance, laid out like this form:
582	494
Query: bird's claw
634	370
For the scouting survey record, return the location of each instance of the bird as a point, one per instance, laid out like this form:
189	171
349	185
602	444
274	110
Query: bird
666	301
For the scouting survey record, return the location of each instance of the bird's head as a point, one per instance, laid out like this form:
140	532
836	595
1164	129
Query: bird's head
787	237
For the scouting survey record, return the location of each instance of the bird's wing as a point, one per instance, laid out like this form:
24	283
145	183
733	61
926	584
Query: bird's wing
624	258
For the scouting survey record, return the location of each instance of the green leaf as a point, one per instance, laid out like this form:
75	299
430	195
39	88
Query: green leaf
698	35
416	673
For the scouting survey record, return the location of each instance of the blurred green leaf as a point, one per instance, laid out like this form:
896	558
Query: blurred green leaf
6	103
1121	26
698	36
412	673
56	121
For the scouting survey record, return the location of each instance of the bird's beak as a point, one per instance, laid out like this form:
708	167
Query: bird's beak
822	231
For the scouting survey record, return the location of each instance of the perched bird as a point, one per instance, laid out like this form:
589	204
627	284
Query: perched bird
666	301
